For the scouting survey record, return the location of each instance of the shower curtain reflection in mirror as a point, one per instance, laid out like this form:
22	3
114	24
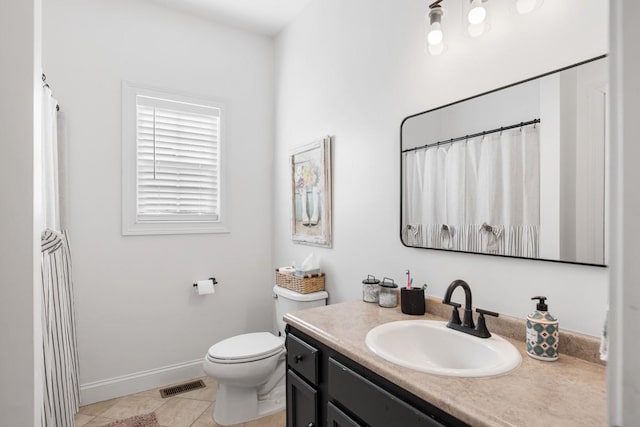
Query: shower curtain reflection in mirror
473	181
476	195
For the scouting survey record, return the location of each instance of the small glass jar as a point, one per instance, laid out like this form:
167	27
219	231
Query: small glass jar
388	296
370	289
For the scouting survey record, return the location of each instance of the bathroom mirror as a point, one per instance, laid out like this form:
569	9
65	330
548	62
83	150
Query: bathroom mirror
518	171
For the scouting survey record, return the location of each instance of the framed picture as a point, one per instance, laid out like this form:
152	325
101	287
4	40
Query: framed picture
311	193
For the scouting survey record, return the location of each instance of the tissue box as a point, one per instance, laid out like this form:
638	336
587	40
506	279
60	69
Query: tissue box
303	285
303	273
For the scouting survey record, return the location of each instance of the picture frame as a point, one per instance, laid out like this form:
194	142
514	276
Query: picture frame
311	196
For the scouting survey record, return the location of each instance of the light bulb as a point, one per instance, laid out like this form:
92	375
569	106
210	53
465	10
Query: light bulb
477	15
435	35
525	6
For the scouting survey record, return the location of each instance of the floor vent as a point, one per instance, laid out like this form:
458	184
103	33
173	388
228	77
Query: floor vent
182	388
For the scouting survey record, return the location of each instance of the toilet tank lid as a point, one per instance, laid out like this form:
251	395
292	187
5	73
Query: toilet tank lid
297	296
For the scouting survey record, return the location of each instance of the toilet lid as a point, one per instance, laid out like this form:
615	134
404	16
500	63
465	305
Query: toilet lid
247	346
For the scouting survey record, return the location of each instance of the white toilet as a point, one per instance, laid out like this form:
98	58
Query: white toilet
250	368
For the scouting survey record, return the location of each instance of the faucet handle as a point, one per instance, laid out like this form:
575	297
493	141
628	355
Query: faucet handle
455	316
452	304
487	312
481	328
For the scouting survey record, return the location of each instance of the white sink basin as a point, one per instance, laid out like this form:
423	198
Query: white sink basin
429	346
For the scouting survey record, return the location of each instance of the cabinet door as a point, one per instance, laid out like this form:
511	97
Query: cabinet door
302	402
337	418
371	403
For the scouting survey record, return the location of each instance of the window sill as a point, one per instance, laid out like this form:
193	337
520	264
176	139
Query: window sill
142	229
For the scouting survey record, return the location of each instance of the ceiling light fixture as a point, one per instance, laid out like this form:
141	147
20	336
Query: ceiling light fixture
435	36
477	13
477	17
476	20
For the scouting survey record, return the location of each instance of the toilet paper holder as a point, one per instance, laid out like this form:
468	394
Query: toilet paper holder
213	279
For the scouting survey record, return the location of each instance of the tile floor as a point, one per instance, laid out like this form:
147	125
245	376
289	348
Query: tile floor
191	409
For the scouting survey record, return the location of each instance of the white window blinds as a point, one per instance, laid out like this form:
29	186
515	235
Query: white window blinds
177	161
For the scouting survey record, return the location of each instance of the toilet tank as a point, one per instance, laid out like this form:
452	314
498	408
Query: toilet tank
288	301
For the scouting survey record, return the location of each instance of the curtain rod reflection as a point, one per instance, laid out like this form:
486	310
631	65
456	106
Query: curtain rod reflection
466	137
45	84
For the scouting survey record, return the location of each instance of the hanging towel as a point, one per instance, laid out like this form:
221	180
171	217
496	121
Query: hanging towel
60	355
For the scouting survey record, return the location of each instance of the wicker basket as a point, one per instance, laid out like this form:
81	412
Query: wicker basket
303	285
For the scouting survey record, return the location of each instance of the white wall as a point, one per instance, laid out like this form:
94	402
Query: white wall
136	308
502	108
20	287
623	373
550	149
354	69
591	132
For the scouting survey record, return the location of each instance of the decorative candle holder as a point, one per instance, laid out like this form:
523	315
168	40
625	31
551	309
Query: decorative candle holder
370	289
388	295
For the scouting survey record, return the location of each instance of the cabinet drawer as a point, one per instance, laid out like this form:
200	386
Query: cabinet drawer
337	418
302	358
372	404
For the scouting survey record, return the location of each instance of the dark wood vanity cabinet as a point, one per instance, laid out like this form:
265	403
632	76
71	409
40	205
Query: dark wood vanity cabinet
337	418
302	383
325	388
302	402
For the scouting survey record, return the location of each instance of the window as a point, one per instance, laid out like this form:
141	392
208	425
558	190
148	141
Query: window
172	163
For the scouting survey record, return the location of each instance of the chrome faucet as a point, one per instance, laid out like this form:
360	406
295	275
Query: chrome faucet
466	325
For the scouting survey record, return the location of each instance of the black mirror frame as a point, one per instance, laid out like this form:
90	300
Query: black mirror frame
467	99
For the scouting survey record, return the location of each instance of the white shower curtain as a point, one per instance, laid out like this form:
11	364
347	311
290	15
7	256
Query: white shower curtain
455	185
521	189
60	355
50	184
506	217
433	197
479	195
413	232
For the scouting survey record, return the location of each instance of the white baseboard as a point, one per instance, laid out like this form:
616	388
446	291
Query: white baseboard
139	381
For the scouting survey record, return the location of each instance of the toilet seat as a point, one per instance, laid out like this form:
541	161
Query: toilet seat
245	348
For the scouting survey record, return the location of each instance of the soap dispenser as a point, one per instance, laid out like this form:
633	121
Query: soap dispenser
542	333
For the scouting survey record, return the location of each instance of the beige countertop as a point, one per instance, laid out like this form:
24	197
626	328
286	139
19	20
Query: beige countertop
568	392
